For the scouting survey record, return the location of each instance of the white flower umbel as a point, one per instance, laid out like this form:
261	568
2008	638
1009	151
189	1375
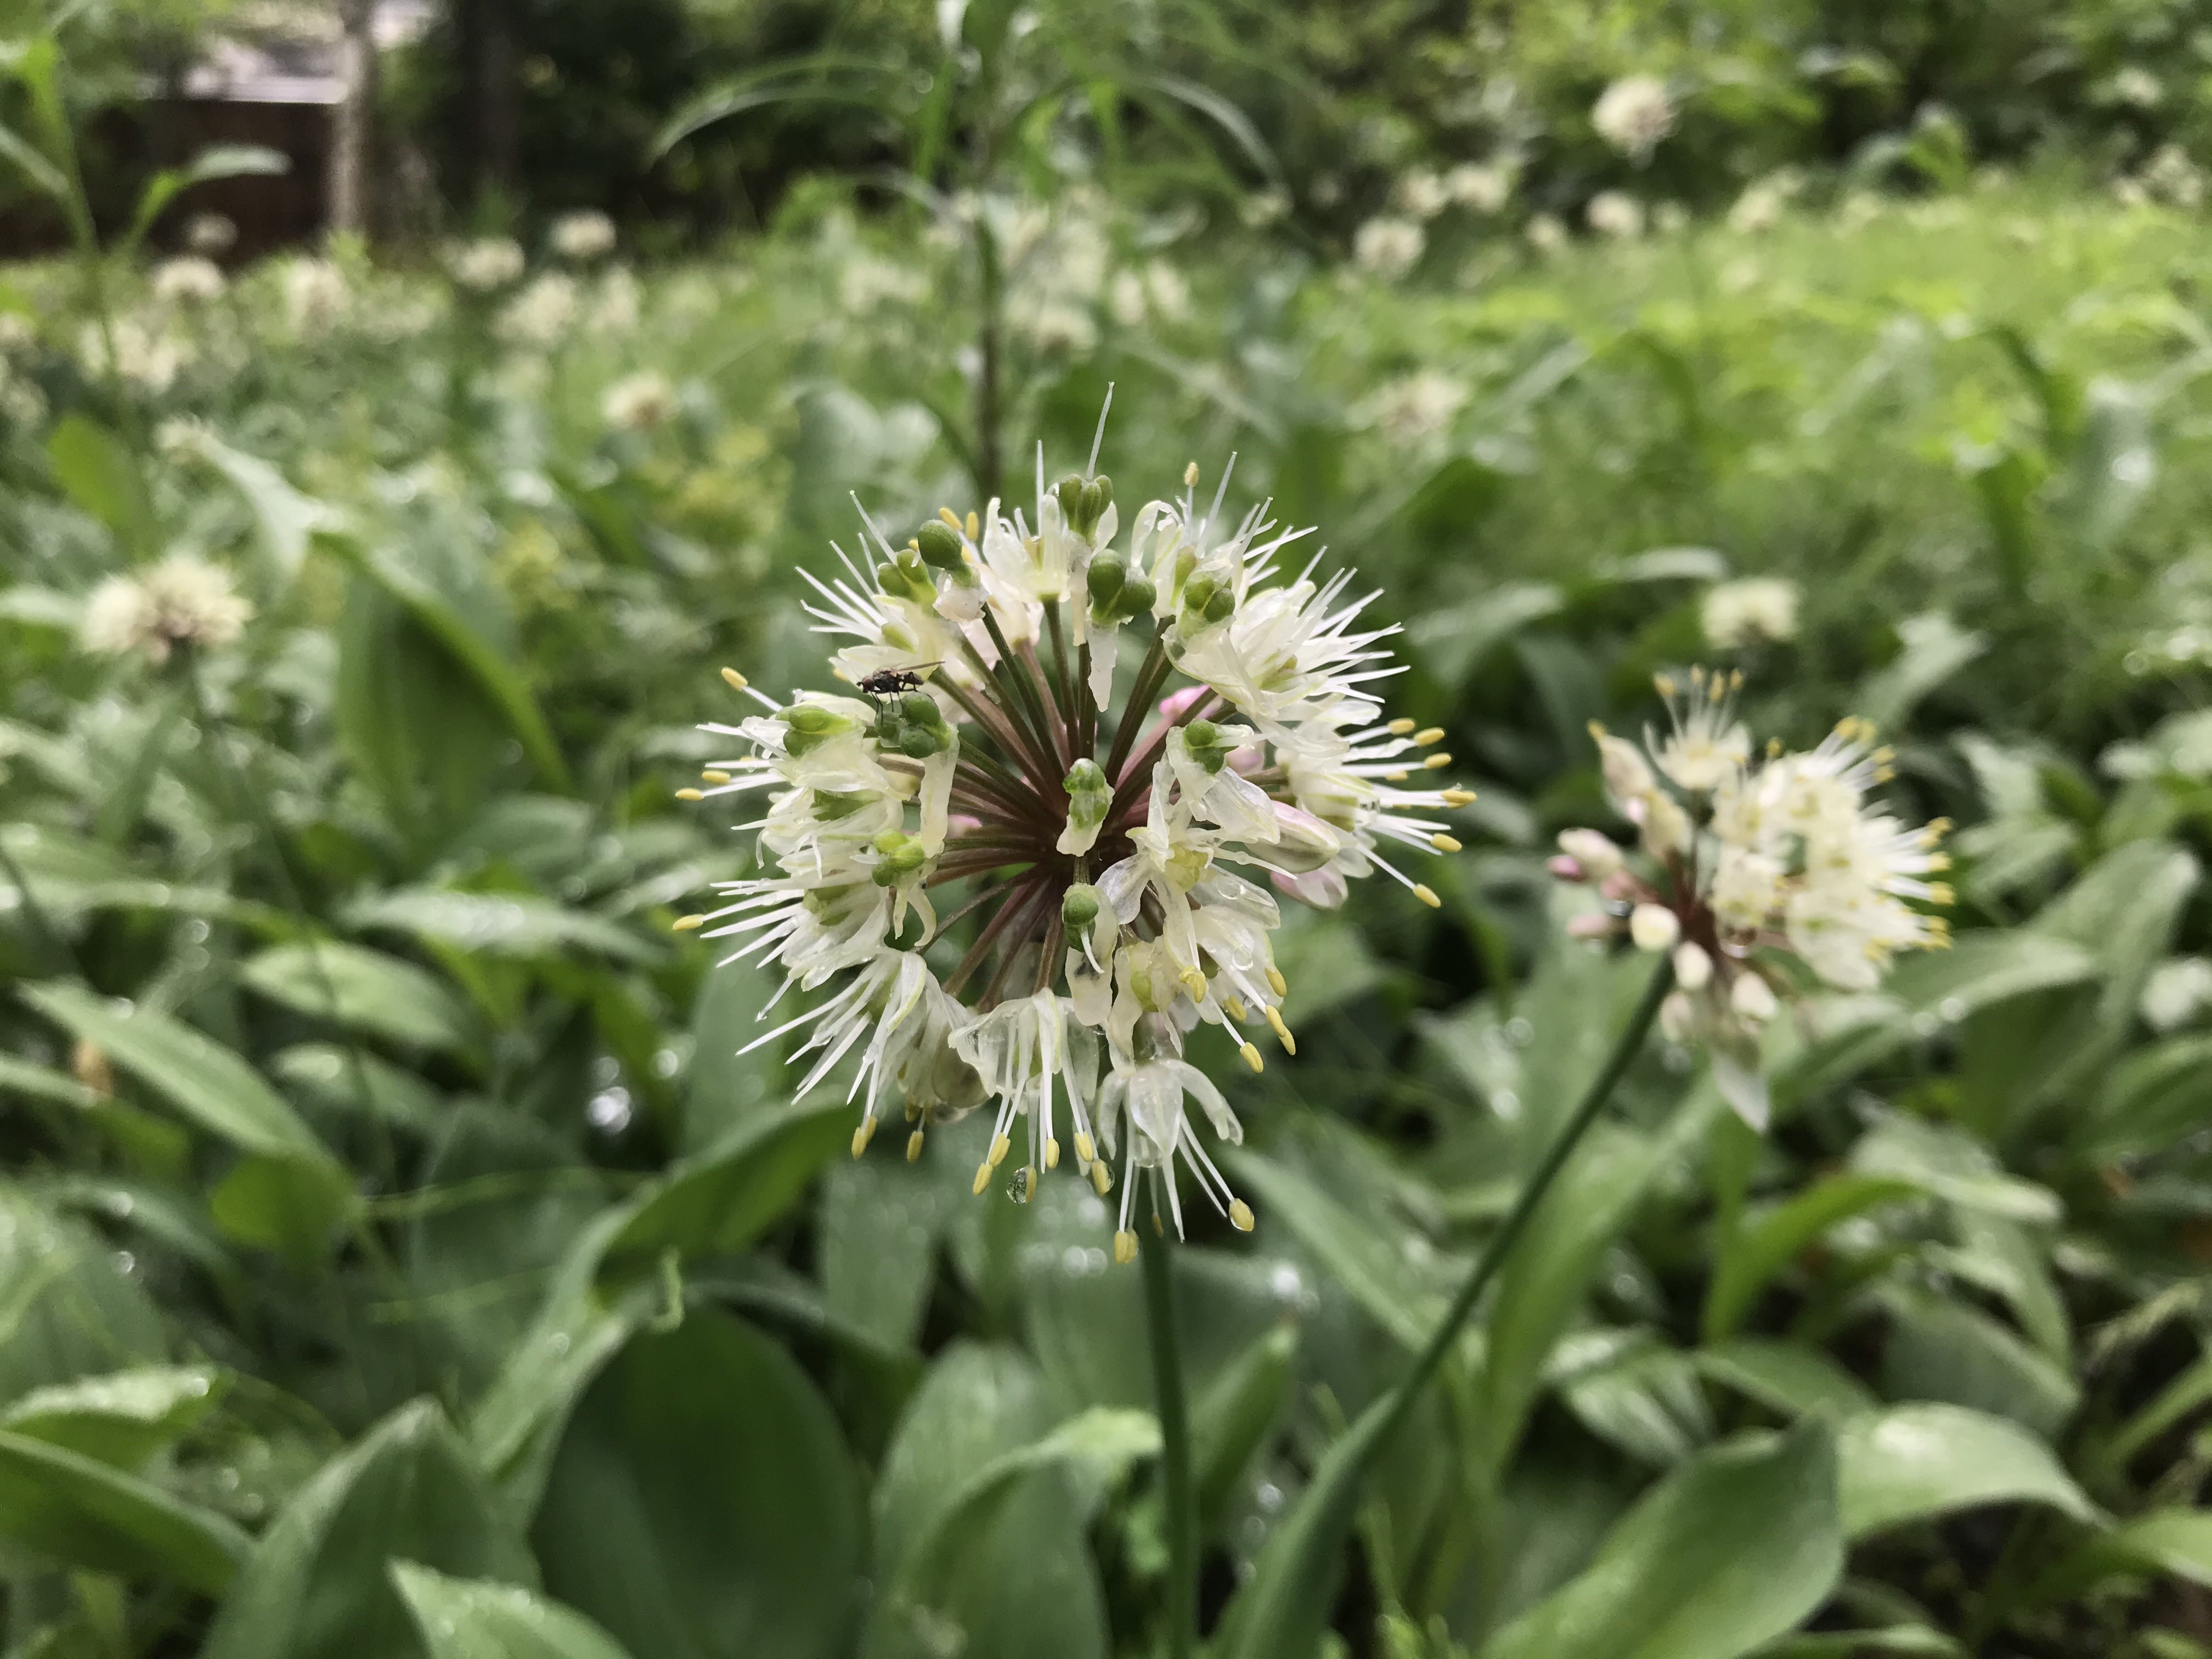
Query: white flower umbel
188	280
1747	866
1633	115
488	263
1010	884
1757	610
583	236
178	603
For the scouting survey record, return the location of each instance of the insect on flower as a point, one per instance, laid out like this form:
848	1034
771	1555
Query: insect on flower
1012	885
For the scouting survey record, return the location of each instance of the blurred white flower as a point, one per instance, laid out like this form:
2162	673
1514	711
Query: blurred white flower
1480	186
1423	194
1388	248
638	402
211	232
583	236
1633	114
179	602
540	315
21	402
1760	206
488	263
1616	213
1264	208
1747	613
615	304
316	294
2172	177
15	331
1414	406
1125	300
1053	325
147	357
867	282
2138	86
1670	218
1546	233
189	279
1167	290
2178	990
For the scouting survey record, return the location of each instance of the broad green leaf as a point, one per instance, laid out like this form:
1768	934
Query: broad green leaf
498	924
69	1508
975	1404
702	1502
471	1619
22	1079
1946	1351
1234	1417
1791	1378
287	520
1932	649
450	597
361	988
98	473
208	1082
1003	1571
287	1205
1907	1639
880	1221
121	1419
2176	1543
1767	1243
1736	1547
1911	1462
315	1586
1633	1392
67	1309
726	1196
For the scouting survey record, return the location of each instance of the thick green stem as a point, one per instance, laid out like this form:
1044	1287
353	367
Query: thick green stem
1178	1499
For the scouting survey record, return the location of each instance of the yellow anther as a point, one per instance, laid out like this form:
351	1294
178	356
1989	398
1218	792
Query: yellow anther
1190	475
863	1135
1234	1008
1125	1246
983	1177
1252	1058
1395	777
687	924
999	1147
1102	1178
1282	1032
1443	843
1435	763
1939	892
738	682
1938	861
1664	683
1027	1178
914	1146
1084	1150
1459	797
1428	735
1240	1215
1735	679
689	794
1051	1153
1427	895
1596	729
1398	728
1159	1227
975	525
949	518
1194	982
1280	986
712	776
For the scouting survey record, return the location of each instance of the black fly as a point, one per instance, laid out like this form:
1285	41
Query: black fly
885	681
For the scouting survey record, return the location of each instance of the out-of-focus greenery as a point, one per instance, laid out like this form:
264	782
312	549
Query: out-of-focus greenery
384	1182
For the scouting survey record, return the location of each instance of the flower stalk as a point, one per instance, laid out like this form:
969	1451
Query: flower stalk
1179	1499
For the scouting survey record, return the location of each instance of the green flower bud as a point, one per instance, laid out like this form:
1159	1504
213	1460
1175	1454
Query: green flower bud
831	806
889	580
1221	606
888	842
920	708
1198	591
883	875
1097	496
907	858
1079	906
918	744
1137	598
940	548
814	720
1070	492
1105	578
1201	734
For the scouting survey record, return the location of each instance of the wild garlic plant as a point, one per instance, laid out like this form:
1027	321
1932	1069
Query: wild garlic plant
1120	858
1758	879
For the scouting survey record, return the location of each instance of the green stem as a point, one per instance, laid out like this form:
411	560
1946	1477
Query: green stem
1178	1498
1494	1253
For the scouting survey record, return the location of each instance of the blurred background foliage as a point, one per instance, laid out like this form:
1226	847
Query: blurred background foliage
400	1258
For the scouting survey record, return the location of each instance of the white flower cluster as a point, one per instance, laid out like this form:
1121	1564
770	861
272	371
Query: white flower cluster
1110	871
1753	611
1748	866
179	602
1633	115
583	236
486	264
1388	247
189	279
639	402
542	312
